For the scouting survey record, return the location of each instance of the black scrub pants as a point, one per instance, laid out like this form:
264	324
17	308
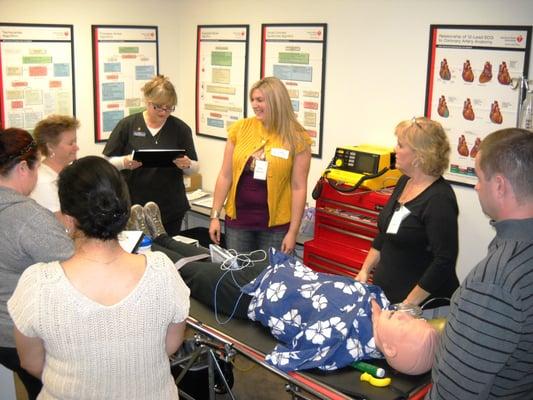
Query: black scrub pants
202	277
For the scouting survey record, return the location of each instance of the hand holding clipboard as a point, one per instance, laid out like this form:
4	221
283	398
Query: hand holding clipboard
158	158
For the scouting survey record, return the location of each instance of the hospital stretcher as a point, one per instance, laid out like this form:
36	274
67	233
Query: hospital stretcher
254	341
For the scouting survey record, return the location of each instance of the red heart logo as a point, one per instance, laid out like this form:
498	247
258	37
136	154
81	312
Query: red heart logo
519	38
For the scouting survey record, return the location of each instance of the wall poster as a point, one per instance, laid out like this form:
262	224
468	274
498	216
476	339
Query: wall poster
296	54
221	80
470	86
36	73
124	59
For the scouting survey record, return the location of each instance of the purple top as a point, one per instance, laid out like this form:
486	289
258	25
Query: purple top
251	203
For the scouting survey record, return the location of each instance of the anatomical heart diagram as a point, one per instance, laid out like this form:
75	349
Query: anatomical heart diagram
503	74
468	75
486	75
444	71
442	109
495	113
468	111
462	148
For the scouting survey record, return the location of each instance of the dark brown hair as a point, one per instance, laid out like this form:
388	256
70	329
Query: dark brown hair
16	145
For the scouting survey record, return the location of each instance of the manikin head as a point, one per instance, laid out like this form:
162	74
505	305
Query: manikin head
408	343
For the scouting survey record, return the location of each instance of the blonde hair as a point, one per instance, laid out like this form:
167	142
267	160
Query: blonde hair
429	142
159	90
280	117
49	130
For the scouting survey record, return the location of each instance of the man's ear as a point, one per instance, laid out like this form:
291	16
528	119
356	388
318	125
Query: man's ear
376	309
502	186
389	350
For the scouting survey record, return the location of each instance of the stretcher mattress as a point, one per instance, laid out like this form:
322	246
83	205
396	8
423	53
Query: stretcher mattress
254	341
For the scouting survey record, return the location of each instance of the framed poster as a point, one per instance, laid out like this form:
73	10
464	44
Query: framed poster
470	86
37	73
124	59
296	54
221	79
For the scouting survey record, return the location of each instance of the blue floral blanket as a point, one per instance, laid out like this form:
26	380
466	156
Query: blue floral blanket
321	320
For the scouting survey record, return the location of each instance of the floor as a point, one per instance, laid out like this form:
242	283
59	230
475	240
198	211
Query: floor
251	381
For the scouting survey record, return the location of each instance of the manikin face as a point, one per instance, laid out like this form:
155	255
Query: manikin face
64	152
408	343
259	105
405	156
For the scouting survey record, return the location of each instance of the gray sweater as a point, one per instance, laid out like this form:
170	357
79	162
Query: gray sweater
29	234
486	351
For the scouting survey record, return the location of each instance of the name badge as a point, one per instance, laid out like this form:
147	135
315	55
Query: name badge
281	153
399	215
139	133
260	169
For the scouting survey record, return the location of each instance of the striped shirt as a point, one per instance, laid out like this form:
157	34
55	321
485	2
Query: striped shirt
487	348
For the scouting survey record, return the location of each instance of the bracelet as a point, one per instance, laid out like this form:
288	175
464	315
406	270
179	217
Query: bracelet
214	214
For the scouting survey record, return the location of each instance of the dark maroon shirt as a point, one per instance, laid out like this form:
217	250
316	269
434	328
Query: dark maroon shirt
251	203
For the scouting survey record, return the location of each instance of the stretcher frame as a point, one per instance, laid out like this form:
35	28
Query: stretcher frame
202	319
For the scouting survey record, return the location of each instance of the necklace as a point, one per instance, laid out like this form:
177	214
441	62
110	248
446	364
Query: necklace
83	254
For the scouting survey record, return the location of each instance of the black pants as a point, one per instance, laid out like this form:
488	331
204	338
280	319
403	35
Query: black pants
173	227
10	359
202	277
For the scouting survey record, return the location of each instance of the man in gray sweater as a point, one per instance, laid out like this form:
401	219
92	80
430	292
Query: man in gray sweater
487	348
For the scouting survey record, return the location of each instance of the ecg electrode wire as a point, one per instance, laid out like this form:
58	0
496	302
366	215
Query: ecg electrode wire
230	265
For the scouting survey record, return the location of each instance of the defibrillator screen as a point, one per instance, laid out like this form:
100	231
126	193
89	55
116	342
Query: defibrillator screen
366	163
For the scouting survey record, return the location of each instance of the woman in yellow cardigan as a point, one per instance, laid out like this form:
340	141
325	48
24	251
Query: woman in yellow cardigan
263	178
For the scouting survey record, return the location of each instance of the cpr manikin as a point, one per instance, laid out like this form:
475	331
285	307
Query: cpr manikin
408	343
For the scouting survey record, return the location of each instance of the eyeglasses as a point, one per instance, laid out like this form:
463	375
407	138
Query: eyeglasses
417	124
157	107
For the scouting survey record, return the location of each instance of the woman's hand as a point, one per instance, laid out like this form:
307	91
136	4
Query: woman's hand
214	230
182	162
362	276
289	243
130	163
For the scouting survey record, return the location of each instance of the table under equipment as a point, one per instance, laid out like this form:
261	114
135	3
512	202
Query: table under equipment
254	341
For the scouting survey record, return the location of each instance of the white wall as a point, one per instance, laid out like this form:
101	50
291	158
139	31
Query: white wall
375	72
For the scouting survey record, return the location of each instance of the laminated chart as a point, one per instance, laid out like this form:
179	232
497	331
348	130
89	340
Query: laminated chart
221	85
37	73
296	55
469	86
125	58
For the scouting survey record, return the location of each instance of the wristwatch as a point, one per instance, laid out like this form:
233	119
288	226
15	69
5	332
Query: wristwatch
214	214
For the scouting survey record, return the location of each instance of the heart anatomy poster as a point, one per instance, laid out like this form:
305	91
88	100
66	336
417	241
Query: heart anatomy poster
471	86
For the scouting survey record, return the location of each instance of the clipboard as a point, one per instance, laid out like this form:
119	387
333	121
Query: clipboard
158	158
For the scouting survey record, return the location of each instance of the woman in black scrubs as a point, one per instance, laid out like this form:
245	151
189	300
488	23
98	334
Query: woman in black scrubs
155	128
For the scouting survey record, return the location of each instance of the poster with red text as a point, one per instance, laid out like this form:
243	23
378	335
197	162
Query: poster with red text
296	54
124	59
36	73
472	71
221	80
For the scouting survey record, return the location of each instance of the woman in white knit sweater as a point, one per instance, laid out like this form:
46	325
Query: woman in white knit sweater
101	324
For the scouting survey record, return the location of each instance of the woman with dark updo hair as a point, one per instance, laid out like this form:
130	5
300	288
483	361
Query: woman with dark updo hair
102	323
29	234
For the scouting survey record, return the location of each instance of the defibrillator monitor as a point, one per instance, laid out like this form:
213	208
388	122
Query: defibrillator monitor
372	164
